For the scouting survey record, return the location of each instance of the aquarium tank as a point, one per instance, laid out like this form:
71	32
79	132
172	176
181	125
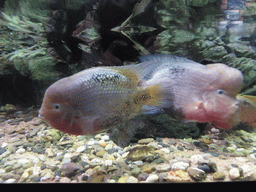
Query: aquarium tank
87	91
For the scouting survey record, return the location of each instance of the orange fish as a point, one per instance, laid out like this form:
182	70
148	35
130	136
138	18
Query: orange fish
202	93
99	97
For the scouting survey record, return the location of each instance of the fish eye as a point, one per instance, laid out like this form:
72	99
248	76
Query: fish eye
220	91
56	106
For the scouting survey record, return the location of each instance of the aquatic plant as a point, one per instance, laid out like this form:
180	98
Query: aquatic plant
27	20
27	17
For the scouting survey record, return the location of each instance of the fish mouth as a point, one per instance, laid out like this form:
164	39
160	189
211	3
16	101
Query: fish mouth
41	116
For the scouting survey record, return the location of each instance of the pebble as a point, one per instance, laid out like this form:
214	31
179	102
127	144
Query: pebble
136	171
180	165
20	151
143	176
234	173
10	181
196	159
196	174
69	169
145	141
108	163
163	167
152	178
64	158
132	179
105	137
80	149
219	175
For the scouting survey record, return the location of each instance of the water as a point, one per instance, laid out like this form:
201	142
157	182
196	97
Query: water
43	41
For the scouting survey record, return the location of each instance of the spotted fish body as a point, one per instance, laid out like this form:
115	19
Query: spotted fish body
97	98
202	93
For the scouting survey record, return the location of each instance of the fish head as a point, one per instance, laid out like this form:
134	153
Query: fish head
57	111
219	99
61	109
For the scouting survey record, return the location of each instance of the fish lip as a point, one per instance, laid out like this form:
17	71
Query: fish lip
41	116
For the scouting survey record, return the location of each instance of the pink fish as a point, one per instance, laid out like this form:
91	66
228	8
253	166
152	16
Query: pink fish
97	98
202	93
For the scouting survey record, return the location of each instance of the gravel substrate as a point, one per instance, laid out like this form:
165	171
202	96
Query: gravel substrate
30	151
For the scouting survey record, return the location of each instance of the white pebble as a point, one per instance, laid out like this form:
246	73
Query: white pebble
80	149
132	179
42	158
180	166
152	178
138	163
10	181
234	173
22	161
165	150
105	137
67	155
91	142
66	160
246	169
4	145
96	160
20	151
108	162
196	158
253	156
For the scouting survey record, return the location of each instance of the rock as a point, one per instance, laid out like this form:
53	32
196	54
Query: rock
108	163
65	180
235	173
178	176
2	150
140	153
132	179
97	179
10	181
163	167
101	153
136	171
145	141
214	130
123	179
180	165
205	168
50	135
105	137
219	175
213	167
196	159
20	151
142	176
148	168
196	174
152	178
183	175
70	168
49	152
80	149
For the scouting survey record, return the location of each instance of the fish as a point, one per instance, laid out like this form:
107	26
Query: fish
247	112
100	97
200	93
